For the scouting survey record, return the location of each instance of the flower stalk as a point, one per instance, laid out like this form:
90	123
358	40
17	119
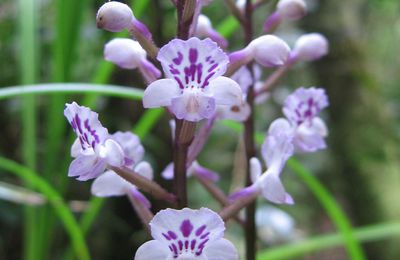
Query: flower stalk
143	183
143	213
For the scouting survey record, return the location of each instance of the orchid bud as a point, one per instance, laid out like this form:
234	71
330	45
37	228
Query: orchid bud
311	47
125	53
204	29
269	51
114	16
291	9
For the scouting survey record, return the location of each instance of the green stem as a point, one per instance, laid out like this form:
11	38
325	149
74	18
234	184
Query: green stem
55	199
365	234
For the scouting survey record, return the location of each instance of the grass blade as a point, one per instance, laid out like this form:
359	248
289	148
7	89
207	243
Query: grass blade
55	199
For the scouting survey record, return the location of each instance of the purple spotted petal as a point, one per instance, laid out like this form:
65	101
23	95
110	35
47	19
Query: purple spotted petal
85	167
187	231
304	104
310	136
86	125
192	63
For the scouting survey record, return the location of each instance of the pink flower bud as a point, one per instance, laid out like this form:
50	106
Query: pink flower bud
114	16
291	9
269	51
125	53
311	47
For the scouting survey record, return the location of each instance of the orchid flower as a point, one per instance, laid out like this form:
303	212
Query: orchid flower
111	184
194	84
301	109
276	150
94	149
187	234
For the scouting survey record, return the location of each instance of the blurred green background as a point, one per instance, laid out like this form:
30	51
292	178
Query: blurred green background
44	41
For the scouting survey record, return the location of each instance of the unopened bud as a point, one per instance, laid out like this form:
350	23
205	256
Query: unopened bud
269	51
204	29
311	47
291	9
114	16
125	53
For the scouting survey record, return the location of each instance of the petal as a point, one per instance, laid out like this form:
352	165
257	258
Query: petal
193	62
86	167
238	113
86	125
255	169
193	106
125	53
304	104
131	145
144	169
152	250
310	137
168	172
278	145
113	153
221	249
160	93
110	184
76	148
273	190
187	224
225	91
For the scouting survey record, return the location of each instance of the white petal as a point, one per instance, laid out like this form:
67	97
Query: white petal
86	167
131	145
237	113
144	169
225	91
125	53
76	148
193	106
168	172
160	93
255	169
110	184
319	126
153	250
114	153
273	190
185	223
221	249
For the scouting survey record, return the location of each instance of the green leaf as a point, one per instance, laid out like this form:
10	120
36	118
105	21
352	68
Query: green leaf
55	199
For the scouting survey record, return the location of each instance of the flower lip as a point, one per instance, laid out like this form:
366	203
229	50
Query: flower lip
192	63
187	231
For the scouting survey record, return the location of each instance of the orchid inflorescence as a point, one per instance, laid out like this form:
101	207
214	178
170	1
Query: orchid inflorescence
200	82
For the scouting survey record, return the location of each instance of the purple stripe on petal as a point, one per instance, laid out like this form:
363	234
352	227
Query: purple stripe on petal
193	54
172	235
200	230
178	60
186	228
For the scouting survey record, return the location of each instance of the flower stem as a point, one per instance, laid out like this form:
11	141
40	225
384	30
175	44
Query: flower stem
183	137
143	183
233	208
274	78
250	233
218	194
